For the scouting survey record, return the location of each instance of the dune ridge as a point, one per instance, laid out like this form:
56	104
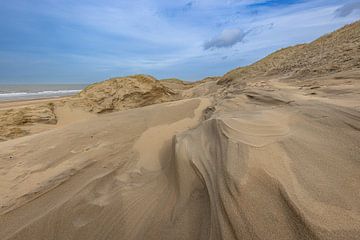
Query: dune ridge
335	52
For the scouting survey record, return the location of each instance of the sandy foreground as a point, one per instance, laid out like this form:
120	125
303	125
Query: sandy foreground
23	103
278	161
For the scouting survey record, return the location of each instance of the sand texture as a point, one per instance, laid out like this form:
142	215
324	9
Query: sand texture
14	120
123	93
272	158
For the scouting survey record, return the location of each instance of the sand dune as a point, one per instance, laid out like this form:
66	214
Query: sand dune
256	169
241	159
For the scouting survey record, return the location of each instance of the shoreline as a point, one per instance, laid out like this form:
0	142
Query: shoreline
25	102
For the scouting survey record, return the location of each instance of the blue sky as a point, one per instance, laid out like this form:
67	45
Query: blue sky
63	41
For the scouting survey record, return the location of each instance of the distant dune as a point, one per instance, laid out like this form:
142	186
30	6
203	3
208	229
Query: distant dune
334	52
124	93
267	151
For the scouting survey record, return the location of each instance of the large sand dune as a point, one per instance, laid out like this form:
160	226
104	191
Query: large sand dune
261	167
242	159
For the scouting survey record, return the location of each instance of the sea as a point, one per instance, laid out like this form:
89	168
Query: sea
38	91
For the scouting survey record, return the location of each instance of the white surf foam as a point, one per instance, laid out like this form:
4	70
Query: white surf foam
56	93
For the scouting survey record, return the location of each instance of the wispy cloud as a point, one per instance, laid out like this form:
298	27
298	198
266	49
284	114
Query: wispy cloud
188	6
160	37
347	9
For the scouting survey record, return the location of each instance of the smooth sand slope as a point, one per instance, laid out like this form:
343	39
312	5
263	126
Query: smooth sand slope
264	158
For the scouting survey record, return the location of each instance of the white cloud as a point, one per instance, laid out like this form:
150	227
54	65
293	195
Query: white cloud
228	38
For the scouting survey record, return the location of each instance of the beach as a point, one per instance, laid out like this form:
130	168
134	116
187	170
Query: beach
37	91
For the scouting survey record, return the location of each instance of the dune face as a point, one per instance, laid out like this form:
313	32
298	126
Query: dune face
279	173
124	93
14	122
241	159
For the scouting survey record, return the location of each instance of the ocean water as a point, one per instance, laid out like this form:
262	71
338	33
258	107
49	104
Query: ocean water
36	91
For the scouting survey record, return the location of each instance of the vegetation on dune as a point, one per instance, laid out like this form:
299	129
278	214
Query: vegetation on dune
331	53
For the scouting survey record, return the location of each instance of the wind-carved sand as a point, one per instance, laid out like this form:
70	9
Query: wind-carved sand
154	139
256	129
250	157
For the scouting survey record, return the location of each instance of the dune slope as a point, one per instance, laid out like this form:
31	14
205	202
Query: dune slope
335	52
123	93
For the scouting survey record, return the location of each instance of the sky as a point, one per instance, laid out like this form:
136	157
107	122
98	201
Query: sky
83	41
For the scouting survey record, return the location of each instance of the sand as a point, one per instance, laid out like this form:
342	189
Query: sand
23	103
272	163
26	117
